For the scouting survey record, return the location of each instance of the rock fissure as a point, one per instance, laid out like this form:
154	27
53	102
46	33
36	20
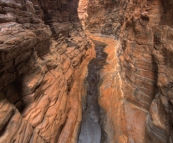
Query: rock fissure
90	127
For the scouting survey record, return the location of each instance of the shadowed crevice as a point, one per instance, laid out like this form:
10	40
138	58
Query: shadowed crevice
90	128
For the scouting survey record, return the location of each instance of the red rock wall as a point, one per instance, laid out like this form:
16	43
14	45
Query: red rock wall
44	55
146	62
145	34
43	59
103	17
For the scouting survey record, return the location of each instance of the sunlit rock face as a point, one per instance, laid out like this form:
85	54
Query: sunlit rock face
45	50
146	61
103	17
43	59
142	112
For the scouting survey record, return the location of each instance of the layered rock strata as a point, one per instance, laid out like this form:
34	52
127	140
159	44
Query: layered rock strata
144	33
43	58
44	55
146	57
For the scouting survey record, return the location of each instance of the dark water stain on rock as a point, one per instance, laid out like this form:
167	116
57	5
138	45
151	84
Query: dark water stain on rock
90	128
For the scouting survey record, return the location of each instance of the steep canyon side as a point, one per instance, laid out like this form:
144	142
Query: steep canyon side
146	60
44	55
138	108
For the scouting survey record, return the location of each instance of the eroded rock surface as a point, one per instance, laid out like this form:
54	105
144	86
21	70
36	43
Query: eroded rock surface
144	55
90	128
45	49
43	58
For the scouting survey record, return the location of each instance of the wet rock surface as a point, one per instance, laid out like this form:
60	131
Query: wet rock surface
90	128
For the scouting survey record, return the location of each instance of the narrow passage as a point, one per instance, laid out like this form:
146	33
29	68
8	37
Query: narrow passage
90	128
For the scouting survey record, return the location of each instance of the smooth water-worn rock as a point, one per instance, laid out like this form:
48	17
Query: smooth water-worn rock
45	51
43	61
90	128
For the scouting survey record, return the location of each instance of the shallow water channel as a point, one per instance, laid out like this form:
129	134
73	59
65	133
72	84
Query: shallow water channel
90	128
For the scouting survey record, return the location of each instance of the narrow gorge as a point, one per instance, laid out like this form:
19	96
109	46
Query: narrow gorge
90	128
86	71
